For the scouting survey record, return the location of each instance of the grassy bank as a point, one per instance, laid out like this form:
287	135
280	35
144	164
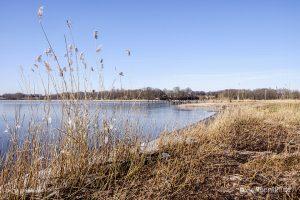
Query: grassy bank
250	150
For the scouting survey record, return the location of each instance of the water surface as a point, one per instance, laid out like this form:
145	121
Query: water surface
145	118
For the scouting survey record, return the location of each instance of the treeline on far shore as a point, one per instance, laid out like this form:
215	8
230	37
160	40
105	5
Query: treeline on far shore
157	94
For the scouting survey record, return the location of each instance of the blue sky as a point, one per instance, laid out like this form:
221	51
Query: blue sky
205	45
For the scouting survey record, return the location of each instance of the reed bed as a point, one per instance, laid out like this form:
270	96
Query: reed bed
246	152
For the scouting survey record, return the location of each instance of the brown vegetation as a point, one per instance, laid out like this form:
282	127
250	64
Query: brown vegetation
248	151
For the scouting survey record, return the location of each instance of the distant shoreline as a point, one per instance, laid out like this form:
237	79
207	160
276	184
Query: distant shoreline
217	105
104	100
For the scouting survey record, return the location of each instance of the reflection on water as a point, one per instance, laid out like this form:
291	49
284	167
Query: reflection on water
145	118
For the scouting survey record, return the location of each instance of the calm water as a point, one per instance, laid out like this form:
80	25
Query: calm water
147	119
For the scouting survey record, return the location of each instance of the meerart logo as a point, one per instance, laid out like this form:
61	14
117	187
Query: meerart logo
264	190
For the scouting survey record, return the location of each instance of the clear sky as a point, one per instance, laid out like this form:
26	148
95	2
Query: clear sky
202	44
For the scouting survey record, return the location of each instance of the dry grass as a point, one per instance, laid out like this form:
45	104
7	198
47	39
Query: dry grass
246	152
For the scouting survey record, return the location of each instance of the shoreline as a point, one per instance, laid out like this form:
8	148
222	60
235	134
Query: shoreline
175	136
216	107
98	100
